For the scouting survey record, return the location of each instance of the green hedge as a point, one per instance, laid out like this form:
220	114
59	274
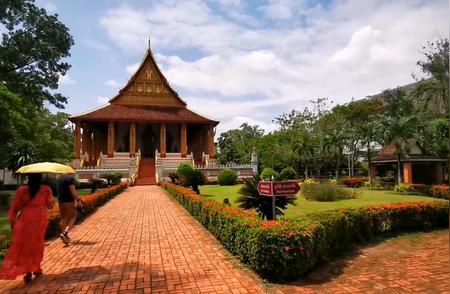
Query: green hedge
289	248
227	177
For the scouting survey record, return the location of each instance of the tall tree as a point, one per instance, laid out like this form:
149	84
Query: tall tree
236	145
435	65
31	49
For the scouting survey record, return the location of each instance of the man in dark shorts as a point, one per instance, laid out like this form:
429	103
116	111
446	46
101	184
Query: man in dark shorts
68	201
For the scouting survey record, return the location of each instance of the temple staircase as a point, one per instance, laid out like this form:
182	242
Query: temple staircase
146	173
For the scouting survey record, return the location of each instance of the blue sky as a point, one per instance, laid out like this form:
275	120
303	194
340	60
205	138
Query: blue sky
247	61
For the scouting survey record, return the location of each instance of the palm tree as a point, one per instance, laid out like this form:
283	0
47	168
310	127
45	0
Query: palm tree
368	131
249	198
399	131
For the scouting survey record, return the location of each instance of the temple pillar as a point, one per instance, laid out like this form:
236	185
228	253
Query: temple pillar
95	147
77	141
211	134
162	140
407	173
183	140
111	141
438	173
87	142
132	139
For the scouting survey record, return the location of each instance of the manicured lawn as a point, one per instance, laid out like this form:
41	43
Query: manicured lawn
369	197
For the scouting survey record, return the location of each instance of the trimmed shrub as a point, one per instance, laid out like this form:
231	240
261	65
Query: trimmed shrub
195	179
288	173
421	188
184	170
290	248
326	192
402	188
440	191
267	174
227	177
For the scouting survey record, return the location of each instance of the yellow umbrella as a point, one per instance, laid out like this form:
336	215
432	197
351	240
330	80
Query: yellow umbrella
45	167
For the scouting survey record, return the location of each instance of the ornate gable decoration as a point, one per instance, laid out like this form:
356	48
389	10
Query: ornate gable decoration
148	87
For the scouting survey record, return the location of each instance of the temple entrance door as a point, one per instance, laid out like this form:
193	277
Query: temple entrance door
147	140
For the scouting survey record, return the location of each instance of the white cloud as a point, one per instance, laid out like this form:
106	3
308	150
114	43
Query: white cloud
102	99
283	9
132	68
237	121
65	80
112	83
349	49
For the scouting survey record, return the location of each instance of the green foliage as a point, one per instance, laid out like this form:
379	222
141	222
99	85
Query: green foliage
190	177
227	177
249	198
195	179
33	44
290	248
327	192
113	178
402	188
435	66
288	173
184	169
267	174
236	145
5	199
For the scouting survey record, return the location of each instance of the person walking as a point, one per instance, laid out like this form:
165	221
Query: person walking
68	201
29	221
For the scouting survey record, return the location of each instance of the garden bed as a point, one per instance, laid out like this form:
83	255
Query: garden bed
289	248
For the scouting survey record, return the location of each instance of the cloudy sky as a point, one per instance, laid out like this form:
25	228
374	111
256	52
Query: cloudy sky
247	61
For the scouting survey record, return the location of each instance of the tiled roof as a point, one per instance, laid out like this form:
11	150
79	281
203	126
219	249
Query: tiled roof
113	112
390	149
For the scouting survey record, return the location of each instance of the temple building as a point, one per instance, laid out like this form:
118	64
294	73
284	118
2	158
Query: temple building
147	117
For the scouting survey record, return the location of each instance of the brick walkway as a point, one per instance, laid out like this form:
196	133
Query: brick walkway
407	264
139	242
144	242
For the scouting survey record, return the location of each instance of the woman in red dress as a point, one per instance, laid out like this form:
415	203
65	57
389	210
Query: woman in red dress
29	221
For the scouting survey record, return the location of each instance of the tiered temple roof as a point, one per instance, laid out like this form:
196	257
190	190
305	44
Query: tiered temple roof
147	97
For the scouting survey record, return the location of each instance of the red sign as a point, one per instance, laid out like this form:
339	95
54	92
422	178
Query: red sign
278	188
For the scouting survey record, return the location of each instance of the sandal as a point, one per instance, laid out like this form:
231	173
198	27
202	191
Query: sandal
27	278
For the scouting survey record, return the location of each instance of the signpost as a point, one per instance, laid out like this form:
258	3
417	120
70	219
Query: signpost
277	188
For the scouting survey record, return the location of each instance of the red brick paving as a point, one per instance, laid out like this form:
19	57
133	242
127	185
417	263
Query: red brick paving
408	264
140	242
144	242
